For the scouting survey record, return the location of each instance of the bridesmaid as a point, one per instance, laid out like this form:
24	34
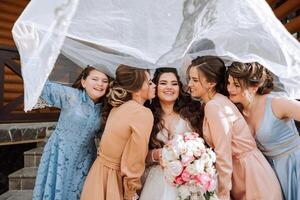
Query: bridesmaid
243	172
271	120
70	150
116	173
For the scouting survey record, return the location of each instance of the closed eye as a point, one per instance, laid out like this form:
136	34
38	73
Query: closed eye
195	79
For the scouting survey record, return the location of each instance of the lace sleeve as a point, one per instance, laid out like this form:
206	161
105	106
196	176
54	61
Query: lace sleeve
41	103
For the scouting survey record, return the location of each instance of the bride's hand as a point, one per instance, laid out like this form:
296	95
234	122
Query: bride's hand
158	157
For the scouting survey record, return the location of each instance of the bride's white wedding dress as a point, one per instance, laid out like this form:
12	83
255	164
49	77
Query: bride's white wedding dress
156	187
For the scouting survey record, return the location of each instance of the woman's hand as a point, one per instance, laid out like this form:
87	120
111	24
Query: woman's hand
157	156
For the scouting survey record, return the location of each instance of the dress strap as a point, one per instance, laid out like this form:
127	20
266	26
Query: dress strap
269	104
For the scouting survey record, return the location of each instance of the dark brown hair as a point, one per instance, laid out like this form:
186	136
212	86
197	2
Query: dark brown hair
187	108
252	75
128	80
83	75
105	106
213	69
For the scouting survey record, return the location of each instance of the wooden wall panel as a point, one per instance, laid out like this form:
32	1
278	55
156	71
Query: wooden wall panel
286	10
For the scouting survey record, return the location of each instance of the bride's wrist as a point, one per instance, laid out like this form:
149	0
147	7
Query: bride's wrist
153	156
156	155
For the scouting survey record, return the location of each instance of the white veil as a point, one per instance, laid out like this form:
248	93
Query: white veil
151	34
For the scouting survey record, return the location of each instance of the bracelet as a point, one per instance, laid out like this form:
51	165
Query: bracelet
160	155
160	160
152	157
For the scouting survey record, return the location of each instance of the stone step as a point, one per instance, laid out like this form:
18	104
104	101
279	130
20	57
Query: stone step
23	179
32	157
17	195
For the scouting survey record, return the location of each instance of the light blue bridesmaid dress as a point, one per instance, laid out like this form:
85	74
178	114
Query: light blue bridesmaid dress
70	150
279	141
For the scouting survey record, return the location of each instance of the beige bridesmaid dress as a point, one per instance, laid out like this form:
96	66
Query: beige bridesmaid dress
116	173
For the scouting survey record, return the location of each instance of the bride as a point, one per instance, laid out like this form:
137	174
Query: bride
174	112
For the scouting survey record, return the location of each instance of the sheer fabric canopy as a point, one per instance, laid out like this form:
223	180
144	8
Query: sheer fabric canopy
150	34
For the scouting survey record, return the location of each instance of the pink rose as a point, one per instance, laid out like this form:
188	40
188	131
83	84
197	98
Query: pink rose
213	185
205	180
179	180
185	175
187	158
189	137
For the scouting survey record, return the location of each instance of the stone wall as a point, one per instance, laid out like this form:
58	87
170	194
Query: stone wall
25	132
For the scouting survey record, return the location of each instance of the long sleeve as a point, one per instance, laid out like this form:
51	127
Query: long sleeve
220	132
58	95
135	152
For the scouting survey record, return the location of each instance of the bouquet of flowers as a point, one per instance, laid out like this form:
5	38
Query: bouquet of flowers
189	166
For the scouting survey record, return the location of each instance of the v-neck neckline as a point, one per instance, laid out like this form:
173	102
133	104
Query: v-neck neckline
262	119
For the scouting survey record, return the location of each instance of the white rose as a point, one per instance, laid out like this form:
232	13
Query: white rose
168	155
175	167
187	157
191	145
179	146
205	157
212	155
183	192
191	169
197	197
210	170
199	166
193	189
209	163
169	177
200	142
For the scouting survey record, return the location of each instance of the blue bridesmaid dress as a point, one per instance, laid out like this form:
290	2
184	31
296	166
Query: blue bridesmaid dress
279	141
70	150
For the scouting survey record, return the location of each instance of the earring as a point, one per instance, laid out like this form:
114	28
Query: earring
250	98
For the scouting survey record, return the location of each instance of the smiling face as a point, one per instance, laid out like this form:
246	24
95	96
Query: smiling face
167	87
237	93
197	83
234	89
95	84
